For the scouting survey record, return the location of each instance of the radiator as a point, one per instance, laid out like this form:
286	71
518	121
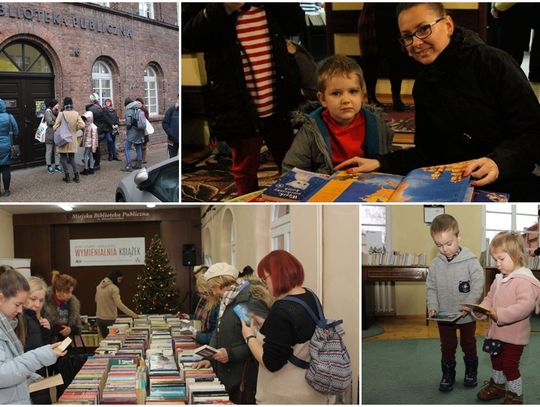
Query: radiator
385	298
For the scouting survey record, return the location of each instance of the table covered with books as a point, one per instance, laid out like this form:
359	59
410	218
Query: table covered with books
440	183
146	360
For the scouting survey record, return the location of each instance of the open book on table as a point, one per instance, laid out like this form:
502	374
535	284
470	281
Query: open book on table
440	183
443	316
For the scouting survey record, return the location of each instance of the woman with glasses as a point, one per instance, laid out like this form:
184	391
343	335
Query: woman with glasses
285	333
472	102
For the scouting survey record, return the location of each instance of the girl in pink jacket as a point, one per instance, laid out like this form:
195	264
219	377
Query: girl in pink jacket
90	142
512	298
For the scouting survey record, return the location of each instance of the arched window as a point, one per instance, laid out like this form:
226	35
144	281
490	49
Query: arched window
280	227
151	90
102	81
146	9
21	57
228	244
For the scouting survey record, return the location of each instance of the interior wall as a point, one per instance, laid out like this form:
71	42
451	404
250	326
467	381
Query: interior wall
6	237
410	234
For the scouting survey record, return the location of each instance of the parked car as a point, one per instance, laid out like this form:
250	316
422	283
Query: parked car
158	183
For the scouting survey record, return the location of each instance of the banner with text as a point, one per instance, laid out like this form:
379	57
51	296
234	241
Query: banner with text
107	252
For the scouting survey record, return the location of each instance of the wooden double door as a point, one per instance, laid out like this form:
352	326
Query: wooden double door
25	95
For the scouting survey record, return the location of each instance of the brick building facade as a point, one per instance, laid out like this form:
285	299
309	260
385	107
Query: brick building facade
118	50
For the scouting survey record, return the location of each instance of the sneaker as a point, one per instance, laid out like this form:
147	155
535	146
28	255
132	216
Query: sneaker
491	391
127	168
6	193
58	168
50	169
512	398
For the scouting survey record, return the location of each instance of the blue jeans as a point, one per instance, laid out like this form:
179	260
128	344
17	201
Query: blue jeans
111	144
138	149
88	158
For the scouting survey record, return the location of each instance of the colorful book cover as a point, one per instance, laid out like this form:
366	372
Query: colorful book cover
295	186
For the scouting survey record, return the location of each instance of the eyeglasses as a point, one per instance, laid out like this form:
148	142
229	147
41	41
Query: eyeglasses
422	33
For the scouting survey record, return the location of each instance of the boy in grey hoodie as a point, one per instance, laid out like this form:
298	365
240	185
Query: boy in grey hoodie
455	277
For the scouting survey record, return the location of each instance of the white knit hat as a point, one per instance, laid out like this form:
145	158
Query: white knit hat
94	97
200	267
221	269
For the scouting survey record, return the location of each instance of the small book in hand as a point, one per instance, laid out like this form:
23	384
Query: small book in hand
205	351
443	316
477	308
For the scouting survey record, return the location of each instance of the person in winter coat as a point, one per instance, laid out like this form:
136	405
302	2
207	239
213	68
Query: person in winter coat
51	152
455	277
341	128
17	367
68	150
171	126
110	136
61	307
233	363
254	82
487	113
37	330
7	124
90	142
511	300
108	302
135	125
104	123
286	331
146	136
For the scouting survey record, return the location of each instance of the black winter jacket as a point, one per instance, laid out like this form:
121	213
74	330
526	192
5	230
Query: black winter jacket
207	28
474	101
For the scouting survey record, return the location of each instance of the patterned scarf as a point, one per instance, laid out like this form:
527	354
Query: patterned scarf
230	295
14	344
202	314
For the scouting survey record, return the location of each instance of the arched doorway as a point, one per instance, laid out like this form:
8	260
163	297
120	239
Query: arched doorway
26	82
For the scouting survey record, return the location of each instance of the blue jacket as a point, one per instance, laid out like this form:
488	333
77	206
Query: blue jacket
5	143
204	337
170	124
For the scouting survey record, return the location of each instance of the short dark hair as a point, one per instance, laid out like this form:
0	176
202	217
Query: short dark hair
127	101
437	7
68	101
52	103
113	276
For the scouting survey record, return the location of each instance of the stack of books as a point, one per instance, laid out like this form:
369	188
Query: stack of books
87	384
121	384
206	392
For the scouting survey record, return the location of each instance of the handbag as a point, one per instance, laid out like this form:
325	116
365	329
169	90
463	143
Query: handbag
492	346
149	129
41	130
14	149
62	135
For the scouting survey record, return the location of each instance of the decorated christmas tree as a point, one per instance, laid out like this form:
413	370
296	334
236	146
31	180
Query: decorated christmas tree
156	286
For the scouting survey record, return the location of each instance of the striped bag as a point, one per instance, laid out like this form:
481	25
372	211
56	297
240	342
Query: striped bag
329	371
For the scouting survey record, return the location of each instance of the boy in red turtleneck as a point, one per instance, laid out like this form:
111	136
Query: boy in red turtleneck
341	128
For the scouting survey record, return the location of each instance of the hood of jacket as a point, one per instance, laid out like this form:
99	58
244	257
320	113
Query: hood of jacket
89	117
106	282
3	108
134	105
464	255
525	274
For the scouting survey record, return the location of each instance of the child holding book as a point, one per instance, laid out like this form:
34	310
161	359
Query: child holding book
341	128
512	298
455	277
90	142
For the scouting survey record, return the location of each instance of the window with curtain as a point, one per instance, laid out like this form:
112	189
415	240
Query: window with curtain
375	219
102	81
151	90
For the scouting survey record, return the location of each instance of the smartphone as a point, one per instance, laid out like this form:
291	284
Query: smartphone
242	312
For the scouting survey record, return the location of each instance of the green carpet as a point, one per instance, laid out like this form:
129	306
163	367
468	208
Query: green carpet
408	372
373	330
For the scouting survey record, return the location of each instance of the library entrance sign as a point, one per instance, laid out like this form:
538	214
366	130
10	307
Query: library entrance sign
107	252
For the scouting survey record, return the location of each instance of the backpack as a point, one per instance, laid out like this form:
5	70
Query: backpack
329	371
136	120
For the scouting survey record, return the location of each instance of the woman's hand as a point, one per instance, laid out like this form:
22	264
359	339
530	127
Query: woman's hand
221	355
247	330
485	170
65	331
57	351
201	365
182	315
356	165
44	322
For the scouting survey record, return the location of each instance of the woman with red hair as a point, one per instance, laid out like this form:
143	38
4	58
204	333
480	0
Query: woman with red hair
286	332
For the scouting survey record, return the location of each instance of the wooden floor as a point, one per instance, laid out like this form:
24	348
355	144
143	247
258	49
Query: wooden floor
413	327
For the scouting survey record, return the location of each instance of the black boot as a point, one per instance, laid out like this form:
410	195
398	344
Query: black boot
66	178
471	368
449	376
76	178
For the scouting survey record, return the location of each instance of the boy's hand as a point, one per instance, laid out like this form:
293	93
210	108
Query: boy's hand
357	164
432	312
465	310
485	170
